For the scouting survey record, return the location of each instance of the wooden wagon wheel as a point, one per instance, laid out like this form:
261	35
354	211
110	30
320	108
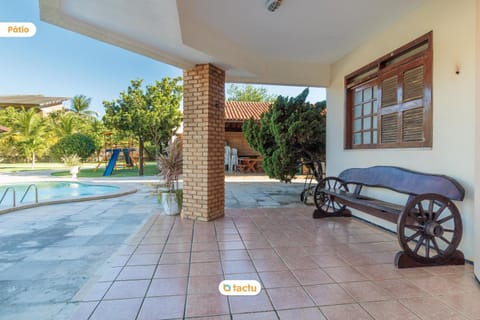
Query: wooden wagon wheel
325	201
429	228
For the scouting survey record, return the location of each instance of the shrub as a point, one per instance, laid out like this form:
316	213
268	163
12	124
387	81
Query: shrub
74	144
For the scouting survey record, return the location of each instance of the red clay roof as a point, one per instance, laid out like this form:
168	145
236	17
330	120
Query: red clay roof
242	110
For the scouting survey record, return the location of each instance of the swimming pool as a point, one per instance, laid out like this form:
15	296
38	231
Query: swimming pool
56	192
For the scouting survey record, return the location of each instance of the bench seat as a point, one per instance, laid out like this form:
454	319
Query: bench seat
381	209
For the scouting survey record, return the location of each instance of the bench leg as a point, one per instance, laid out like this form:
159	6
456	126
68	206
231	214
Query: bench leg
319	213
402	260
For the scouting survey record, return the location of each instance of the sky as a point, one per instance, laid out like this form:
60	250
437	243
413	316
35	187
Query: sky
60	63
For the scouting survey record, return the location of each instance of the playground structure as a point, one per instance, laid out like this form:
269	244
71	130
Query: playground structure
114	156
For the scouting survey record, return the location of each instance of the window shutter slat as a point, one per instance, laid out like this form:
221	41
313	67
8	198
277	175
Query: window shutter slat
389	128
389	91
413	83
412	125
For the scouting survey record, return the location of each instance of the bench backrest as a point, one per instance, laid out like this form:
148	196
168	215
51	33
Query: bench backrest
404	181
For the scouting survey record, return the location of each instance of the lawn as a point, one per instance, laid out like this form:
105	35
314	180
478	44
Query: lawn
150	169
19	167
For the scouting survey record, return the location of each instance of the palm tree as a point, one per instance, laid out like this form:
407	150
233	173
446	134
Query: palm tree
29	133
80	106
65	124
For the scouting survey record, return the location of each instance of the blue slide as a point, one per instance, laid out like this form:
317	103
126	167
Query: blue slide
111	164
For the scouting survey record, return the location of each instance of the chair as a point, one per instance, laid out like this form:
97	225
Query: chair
227	157
234	160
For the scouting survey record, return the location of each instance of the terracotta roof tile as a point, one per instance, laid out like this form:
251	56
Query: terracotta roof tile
242	110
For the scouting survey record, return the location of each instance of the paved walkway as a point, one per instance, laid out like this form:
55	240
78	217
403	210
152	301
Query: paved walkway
48	254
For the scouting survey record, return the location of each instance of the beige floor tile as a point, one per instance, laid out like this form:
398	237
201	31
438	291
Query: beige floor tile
270	265
171	270
204	284
366	291
158	308
329	294
304	314
379	271
127	289
401	288
312	276
245	304
167	287
205	269
467	303
202	305
117	309
430	308
344	274
345	312
326	261
289	298
388	310
238	266
278	279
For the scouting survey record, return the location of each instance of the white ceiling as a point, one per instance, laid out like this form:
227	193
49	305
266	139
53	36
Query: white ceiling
294	45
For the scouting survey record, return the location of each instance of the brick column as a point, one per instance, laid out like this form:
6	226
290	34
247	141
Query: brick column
204	138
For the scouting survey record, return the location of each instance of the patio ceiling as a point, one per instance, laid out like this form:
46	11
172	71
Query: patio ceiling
295	45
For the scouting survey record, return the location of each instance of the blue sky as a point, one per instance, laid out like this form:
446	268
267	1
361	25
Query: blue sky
58	62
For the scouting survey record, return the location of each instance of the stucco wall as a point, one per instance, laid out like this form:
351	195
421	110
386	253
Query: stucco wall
454	35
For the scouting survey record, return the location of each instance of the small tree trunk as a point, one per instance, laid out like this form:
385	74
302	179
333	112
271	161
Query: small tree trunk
33	159
140	157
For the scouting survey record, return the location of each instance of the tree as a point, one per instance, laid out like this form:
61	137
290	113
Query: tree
75	144
289	133
248	93
80	105
151	114
28	134
64	124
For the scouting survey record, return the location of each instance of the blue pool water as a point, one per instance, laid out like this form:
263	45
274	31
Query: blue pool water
50	191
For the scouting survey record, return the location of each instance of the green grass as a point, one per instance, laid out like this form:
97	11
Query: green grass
150	169
39	166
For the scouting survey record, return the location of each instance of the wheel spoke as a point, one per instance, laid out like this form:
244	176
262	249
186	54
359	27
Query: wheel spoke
329	185
437	248
431	214
439	212
419	244
448	230
427	247
445	219
413	236
415	227
445	240
420	209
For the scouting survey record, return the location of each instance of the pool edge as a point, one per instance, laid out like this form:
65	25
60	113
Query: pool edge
120	193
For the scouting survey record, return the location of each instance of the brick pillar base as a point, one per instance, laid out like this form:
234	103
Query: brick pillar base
204	138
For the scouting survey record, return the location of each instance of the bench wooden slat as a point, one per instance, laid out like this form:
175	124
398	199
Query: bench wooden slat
381	209
404	181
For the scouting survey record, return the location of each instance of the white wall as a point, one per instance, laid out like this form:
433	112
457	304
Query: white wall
454	44
477	143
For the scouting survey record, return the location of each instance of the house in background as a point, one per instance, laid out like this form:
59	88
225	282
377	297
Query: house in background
43	104
235	113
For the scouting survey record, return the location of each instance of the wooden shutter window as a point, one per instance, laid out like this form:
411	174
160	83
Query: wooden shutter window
412	125
389	91
389	128
402	115
414	83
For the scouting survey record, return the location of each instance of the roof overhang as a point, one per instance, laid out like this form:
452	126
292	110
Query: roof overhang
295	45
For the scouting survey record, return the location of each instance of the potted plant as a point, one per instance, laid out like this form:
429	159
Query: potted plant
170	166
73	162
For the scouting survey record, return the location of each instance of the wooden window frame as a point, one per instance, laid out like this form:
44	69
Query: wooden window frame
374	72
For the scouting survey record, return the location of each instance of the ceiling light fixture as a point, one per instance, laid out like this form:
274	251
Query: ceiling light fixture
272	5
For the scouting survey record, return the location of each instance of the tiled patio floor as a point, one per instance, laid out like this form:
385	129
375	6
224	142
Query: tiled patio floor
310	269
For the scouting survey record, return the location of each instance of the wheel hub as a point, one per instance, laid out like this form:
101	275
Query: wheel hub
433	229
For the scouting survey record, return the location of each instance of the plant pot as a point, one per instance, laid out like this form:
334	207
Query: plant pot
170	203
74	171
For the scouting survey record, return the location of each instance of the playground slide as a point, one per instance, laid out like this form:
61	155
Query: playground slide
111	164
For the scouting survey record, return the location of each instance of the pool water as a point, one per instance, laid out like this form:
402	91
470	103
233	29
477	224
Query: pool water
50	191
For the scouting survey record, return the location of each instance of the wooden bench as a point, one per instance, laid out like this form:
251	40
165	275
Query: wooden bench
429	226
